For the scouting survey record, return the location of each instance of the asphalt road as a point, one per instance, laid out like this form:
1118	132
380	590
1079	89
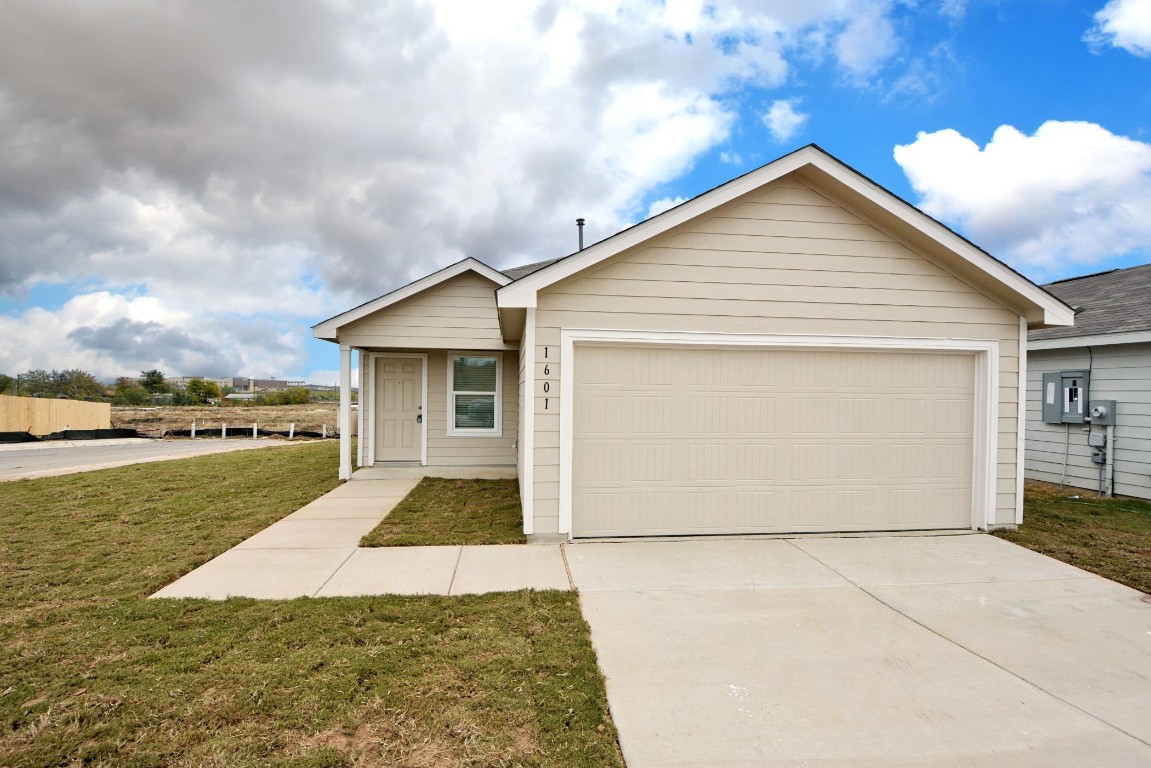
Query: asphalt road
31	460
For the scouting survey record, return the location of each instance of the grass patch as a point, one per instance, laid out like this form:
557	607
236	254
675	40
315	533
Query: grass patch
1110	537
440	511
92	673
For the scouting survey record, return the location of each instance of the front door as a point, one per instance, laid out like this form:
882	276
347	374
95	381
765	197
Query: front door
399	409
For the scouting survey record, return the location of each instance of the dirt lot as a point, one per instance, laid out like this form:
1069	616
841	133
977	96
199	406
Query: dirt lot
150	420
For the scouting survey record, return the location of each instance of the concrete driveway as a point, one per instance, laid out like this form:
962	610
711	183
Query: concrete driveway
881	651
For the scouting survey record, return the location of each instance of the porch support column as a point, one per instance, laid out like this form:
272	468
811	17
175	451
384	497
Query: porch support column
361	405
345	412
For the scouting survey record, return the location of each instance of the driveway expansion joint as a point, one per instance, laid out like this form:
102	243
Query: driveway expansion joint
567	567
997	665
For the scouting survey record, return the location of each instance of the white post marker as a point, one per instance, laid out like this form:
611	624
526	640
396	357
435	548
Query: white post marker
253	430
291	430
224	431
324	433
193	429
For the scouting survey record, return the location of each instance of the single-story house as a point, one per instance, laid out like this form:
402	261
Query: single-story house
797	350
1102	362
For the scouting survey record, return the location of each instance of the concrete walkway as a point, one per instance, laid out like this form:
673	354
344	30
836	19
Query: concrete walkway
879	651
315	552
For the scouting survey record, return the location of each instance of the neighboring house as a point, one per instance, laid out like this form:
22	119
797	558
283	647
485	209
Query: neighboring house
1109	352
795	350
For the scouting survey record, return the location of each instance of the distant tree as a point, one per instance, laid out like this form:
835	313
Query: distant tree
154	382
129	392
37	383
7	385
77	385
198	391
289	396
72	383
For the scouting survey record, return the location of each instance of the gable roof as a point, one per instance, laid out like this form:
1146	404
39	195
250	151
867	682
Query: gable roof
515	273
1112	307
1041	308
328	328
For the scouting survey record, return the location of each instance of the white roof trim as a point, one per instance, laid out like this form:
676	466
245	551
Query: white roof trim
329	328
1098	340
522	293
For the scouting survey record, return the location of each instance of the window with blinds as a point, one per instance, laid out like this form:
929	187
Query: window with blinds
474	397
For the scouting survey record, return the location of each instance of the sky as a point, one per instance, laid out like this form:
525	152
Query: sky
190	185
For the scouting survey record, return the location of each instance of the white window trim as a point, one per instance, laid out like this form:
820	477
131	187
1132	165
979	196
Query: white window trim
498	429
985	441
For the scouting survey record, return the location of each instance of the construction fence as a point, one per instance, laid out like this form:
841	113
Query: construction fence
45	416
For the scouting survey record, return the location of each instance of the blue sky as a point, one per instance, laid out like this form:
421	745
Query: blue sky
191	185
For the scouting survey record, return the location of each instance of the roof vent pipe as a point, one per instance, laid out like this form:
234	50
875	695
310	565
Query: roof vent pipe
579	225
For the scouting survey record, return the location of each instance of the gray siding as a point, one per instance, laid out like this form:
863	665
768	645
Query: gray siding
1121	373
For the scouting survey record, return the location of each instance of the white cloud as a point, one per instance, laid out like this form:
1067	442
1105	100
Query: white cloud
1124	24
330	378
782	119
953	9
663	204
1072	194
867	41
280	160
142	332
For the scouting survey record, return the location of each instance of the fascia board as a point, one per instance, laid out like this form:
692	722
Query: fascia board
1098	340
522	293
328	328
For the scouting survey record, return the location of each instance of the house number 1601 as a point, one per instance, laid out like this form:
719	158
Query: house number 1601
547	384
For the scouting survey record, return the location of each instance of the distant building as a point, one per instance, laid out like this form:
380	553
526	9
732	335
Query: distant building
241	384
180	382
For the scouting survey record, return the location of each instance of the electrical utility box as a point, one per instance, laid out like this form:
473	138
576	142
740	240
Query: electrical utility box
1065	397
1103	412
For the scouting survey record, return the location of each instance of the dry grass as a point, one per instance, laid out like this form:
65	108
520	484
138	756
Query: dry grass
92	673
440	511
1110	537
309	418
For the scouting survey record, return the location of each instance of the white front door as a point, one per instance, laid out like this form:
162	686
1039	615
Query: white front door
399	411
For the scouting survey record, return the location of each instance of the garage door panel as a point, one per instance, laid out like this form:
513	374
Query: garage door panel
683	441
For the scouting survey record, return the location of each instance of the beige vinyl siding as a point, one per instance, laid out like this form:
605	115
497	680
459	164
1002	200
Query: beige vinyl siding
458	450
457	314
1121	373
786	259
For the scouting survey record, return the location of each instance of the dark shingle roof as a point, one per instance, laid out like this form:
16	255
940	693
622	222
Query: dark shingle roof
515	273
1118	301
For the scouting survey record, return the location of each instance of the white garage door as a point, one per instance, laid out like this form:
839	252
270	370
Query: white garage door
687	441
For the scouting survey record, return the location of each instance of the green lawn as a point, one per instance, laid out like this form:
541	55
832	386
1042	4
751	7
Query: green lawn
440	511
1110	537
92	673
